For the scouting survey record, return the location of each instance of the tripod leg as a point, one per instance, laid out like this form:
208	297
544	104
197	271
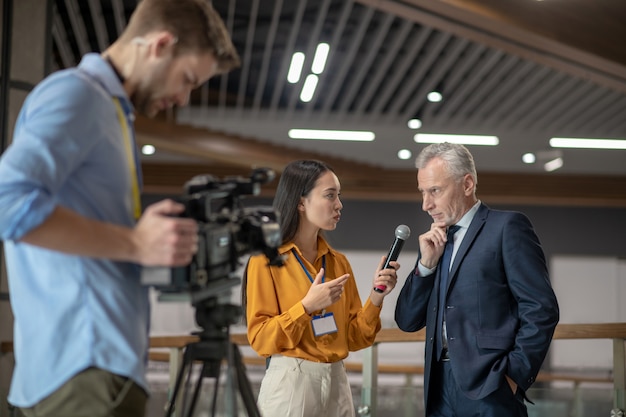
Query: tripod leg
177	386
215	389
245	388
196	391
185	370
230	397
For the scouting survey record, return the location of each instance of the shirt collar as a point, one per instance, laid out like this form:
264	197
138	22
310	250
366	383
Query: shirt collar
97	67
467	217
323	248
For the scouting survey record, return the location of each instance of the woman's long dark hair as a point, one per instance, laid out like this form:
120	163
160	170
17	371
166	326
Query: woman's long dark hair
296	181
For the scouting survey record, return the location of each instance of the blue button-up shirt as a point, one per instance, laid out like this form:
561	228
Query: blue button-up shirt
70	312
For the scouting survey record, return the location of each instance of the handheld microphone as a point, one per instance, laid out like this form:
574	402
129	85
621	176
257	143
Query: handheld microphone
402	233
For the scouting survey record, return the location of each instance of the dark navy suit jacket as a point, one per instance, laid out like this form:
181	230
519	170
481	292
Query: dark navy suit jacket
501	311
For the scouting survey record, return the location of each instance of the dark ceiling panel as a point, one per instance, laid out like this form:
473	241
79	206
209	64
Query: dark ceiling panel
512	68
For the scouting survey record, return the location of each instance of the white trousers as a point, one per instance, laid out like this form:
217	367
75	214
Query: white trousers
300	388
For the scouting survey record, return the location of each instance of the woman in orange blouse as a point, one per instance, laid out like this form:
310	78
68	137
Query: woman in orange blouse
307	315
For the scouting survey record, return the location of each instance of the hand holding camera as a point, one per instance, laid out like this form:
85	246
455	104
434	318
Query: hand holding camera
162	240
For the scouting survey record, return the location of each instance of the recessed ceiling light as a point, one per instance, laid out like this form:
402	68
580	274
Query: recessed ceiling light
462	139
148	149
434	97
349	135
529	158
414	124
404	154
584	143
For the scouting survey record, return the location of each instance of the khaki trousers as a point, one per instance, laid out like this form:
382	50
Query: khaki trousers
93	393
300	388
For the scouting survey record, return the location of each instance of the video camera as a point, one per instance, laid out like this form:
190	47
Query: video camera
226	231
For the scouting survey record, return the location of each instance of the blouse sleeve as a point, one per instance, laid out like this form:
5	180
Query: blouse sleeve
364	320
271	330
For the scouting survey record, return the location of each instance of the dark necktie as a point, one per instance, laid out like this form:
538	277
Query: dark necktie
444	271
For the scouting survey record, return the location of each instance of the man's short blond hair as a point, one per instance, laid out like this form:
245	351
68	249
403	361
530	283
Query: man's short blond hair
195	23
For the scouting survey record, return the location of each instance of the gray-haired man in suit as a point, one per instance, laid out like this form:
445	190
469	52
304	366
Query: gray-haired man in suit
490	319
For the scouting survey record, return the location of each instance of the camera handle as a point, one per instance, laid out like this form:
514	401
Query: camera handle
211	353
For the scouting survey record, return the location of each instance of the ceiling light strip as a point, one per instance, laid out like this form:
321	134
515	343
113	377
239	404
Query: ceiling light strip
319	60
308	89
553	165
295	68
461	139
585	143
347	135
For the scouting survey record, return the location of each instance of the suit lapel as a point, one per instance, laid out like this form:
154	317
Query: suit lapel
475	226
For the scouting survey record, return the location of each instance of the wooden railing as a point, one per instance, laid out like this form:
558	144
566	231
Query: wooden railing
370	367
612	331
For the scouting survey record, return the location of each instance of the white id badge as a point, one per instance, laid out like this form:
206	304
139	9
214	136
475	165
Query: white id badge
324	324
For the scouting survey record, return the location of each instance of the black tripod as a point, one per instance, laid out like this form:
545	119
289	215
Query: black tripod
213	348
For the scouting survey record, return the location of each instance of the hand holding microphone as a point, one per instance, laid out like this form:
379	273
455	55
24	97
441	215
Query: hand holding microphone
402	233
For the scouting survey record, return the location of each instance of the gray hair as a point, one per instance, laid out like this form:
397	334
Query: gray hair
457	159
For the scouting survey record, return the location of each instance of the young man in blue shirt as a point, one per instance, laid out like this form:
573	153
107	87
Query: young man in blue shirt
75	238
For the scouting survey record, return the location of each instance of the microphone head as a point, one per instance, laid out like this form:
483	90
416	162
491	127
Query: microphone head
403	232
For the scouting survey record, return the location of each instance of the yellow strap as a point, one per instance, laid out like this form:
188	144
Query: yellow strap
128	145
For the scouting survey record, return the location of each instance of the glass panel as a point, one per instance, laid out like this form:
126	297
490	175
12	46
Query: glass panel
401	401
400	395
